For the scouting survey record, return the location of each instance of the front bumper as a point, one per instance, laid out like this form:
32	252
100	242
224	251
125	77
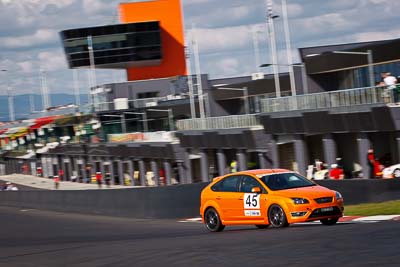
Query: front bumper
305	213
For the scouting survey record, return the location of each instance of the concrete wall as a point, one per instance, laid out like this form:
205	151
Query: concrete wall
171	202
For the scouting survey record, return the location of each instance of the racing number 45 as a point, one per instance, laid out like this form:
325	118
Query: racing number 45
251	201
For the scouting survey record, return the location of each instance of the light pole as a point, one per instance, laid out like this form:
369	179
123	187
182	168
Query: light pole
11	104
190	80
255	33
245	96
11	113
368	53
288	47
271	31
76	88
195	46
44	89
303	75
92	72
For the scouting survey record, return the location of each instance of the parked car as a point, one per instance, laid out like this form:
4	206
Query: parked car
275	197
391	171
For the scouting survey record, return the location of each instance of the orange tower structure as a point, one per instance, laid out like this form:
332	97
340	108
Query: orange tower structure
169	14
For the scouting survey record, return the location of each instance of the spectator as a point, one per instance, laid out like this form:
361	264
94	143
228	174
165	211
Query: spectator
56	180
336	172
61	174
378	167
25	168
371	163
233	166
99	179
390	83
74	176
39	171
108	179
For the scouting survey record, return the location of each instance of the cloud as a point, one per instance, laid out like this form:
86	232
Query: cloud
96	7
228	66
40	37
54	60
375	36
227	38
29	32
26	66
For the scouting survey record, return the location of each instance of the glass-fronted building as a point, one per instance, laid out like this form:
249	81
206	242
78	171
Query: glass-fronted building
114	46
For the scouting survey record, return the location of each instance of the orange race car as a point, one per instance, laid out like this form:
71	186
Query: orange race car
273	197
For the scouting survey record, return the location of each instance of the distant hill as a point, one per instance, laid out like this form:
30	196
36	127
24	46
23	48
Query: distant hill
22	106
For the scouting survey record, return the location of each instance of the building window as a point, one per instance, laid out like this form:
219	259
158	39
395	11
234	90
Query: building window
147	95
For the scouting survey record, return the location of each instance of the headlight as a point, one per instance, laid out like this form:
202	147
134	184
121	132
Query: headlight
300	201
338	195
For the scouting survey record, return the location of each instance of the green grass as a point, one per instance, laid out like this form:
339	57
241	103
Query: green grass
383	208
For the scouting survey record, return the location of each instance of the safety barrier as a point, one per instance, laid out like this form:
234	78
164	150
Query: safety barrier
172	202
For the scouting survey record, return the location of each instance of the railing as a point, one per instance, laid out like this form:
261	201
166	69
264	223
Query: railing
137	103
225	122
341	98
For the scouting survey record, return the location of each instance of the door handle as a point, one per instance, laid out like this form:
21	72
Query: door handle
218	198
240	198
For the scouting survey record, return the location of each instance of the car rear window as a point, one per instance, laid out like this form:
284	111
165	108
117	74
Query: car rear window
228	184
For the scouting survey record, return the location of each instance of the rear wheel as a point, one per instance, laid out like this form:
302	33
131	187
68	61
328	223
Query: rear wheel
213	221
262	226
396	173
277	217
329	221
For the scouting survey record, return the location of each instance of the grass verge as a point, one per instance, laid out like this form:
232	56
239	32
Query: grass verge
371	209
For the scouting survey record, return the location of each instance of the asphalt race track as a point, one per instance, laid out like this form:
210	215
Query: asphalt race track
41	238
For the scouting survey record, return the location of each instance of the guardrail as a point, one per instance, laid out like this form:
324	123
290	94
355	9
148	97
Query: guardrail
137	103
340	98
224	122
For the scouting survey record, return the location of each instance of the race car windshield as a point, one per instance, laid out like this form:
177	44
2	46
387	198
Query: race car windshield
282	181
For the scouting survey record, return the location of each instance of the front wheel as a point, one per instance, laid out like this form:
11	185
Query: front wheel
396	173
329	221
277	217
213	221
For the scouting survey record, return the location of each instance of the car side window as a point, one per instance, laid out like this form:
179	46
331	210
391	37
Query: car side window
228	184
248	183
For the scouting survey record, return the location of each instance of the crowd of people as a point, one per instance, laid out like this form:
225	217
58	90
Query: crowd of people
320	170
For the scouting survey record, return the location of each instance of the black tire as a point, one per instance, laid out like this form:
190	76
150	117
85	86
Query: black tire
213	221
329	221
396	173
262	226
277	216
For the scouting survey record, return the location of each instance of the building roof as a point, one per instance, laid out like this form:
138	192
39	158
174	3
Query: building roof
322	59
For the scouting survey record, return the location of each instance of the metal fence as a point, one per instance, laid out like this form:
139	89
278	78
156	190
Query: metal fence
341	98
224	122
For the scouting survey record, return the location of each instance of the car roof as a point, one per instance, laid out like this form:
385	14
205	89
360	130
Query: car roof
263	171
252	172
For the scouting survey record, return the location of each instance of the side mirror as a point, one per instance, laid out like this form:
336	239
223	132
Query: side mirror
256	190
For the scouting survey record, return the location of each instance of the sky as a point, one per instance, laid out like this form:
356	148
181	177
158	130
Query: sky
30	42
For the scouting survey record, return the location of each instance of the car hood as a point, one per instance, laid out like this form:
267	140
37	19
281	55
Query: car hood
306	192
